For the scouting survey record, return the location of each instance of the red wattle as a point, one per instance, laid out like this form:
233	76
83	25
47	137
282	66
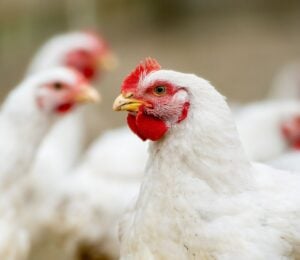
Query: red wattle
131	121
147	126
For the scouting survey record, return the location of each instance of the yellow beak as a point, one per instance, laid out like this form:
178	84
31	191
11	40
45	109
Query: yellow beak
108	61
125	102
87	94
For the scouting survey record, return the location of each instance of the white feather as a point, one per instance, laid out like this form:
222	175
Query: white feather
259	126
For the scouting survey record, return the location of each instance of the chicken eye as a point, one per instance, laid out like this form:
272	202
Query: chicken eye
159	90
58	85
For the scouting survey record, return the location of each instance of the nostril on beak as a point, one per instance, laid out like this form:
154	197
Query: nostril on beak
127	95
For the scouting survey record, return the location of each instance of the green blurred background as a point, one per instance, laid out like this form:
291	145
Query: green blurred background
238	45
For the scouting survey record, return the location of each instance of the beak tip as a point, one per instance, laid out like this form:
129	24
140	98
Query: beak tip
109	62
116	106
126	103
88	95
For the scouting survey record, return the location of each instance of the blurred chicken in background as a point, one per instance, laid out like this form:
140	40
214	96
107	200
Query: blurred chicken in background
270	129
26	116
89	54
60	187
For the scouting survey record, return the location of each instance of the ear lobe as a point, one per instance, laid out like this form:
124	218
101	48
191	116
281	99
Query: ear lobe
182	97
184	112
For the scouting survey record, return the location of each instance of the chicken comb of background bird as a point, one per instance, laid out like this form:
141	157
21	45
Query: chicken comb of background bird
143	69
86	51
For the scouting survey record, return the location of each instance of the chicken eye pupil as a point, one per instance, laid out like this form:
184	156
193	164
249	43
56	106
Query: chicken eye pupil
160	90
58	85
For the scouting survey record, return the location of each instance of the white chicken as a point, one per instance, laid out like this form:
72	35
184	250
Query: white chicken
89	54
261	124
26	116
28	113
290	160
89	209
85	206
56	159
200	197
286	86
260	128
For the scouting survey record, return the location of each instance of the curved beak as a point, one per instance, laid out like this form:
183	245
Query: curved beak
125	102
87	94
108	61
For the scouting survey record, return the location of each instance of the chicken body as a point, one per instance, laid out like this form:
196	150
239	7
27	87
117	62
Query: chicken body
86	205
22	127
289	161
65	143
260	124
260	128
26	116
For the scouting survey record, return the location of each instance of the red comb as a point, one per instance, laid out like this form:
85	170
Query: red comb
143	69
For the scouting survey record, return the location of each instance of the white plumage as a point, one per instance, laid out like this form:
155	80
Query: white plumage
202	199
53	53
23	124
86	205
288	161
66	141
259	125
74	181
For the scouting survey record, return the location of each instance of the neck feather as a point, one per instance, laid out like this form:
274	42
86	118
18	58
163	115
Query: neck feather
206	146
22	128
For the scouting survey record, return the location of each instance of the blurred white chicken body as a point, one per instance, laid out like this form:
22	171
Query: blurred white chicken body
64	144
87	205
54	52
289	161
23	125
117	152
259	127
286	86
98	186
26	116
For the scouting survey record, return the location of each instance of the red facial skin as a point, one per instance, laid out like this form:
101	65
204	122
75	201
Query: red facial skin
87	61
153	119
83	61
291	131
63	93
